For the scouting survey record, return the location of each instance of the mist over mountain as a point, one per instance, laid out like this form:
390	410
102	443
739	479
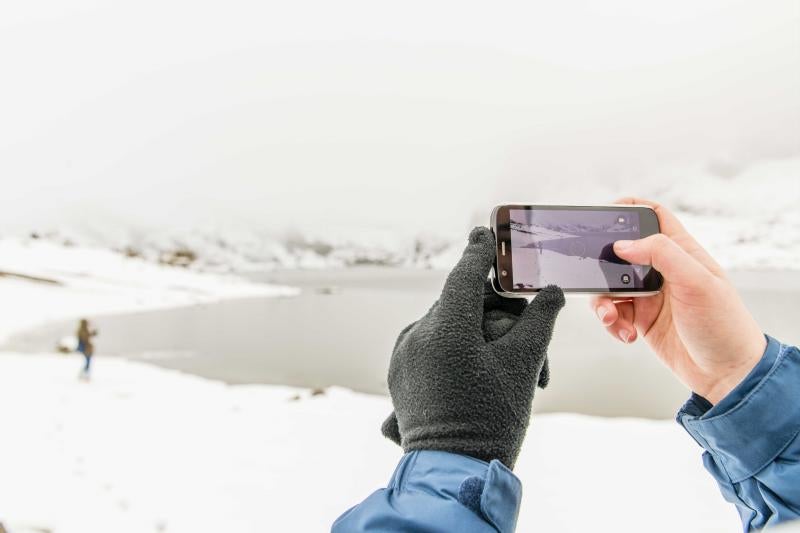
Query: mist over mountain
258	131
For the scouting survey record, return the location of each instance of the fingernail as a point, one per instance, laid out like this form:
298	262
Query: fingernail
622	245
602	312
625	336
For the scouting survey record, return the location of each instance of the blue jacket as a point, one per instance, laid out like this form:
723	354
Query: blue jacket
752	448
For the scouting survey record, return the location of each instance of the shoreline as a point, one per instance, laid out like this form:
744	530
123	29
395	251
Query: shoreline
355	317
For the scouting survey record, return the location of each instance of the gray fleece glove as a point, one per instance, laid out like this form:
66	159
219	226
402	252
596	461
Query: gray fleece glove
462	377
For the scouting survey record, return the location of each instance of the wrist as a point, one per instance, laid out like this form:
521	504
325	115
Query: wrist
736	371
473	446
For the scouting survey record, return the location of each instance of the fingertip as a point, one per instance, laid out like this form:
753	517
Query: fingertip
624	200
482	244
626	334
606	314
634	200
465	286
622	329
551	296
481	235
605	309
622	246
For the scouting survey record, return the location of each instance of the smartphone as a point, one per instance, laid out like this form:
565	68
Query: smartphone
571	246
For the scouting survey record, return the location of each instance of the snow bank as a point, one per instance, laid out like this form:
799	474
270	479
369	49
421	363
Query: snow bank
143	449
93	281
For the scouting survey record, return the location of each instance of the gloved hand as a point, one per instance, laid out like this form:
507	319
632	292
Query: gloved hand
462	377
499	316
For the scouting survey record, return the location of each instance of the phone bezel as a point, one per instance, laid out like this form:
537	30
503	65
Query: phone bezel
648	222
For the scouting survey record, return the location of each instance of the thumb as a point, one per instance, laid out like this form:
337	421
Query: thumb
664	254
462	296
390	429
532	332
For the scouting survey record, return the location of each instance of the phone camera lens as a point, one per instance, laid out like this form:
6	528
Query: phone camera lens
625	278
503	273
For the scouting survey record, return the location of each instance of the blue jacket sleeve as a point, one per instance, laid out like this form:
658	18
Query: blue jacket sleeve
751	439
433	492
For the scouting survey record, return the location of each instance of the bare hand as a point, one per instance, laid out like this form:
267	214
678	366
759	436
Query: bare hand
697	325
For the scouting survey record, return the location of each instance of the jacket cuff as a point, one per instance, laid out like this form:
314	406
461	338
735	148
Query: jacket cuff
444	473
501	497
755	422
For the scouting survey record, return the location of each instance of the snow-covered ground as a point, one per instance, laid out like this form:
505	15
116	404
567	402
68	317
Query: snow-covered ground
95	280
142	449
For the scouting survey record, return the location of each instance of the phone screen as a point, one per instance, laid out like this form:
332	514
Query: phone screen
573	248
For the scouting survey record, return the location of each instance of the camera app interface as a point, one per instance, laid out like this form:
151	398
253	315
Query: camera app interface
573	249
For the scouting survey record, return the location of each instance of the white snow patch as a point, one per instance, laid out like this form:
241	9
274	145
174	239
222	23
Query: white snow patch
142	449
95	281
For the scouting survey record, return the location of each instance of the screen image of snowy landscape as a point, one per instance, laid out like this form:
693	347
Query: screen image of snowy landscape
216	218
573	249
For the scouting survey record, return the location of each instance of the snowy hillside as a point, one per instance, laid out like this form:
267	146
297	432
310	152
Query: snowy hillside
42	281
243	249
747	217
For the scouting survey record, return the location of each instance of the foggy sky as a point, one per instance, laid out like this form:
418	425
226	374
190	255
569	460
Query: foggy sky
409	115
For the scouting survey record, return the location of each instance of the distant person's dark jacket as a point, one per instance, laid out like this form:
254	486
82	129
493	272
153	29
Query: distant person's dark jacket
85	345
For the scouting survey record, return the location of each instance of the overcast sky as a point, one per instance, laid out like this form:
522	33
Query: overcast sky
410	114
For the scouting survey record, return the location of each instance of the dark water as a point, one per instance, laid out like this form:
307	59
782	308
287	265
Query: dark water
341	329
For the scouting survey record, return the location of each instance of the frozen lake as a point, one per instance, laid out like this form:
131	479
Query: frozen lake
341	329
